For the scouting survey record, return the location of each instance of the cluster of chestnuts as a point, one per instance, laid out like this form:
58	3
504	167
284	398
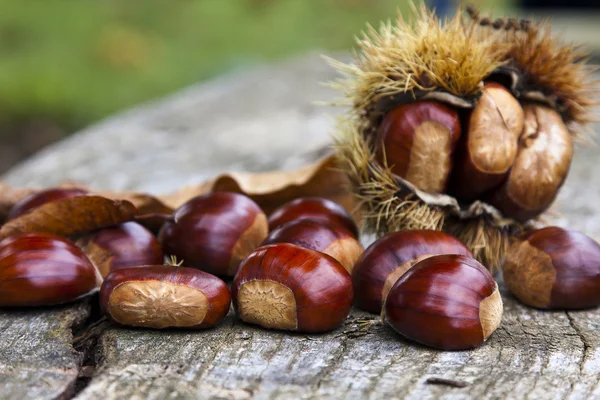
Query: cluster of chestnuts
300	269
495	153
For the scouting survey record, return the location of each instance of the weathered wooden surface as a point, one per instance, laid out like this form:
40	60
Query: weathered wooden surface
198	133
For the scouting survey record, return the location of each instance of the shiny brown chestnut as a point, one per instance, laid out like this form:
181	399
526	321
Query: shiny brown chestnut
45	196
284	286
489	146
449	302
313	208
417	141
319	235
123	246
215	232
540	168
554	268
388	258
164	296
39	269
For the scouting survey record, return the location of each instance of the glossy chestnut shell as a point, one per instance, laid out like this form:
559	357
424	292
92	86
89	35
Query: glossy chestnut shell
39	269
161	296
284	286
215	232
316	208
123	246
388	258
417	141
319	235
554	268
448	302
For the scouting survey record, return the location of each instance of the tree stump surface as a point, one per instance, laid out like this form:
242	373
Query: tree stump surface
261	120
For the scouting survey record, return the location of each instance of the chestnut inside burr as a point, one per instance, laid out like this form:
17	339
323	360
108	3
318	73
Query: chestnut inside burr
157	304
268	304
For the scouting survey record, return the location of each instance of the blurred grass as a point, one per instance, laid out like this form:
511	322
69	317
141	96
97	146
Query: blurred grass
78	61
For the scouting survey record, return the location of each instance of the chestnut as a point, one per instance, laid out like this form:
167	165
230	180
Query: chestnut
45	196
313	208
39	269
540	168
215	232
554	268
384	262
489	146
449	302
284	286
123	246
164	296
417	141
319	235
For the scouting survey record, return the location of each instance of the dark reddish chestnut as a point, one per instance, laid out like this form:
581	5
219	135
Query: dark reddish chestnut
448	302
417	141
319	235
313	208
554	268
540	168
490	145
38	269
284	286
386	260
37	199
215	232
162	296
123	246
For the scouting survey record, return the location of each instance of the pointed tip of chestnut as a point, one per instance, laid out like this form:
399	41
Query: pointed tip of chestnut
39	269
388	258
417	141
319	235
45	196
313	208
284	286
215	232
449	302
160	296
554	268
123	246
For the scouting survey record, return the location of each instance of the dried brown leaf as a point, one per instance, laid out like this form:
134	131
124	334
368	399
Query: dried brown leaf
71	216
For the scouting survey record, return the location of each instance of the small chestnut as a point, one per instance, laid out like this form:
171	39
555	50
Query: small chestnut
313	208
284	286
215	232
38	269
319	235
554	268
37	199
164	296
417	141
489	146
123	246
540	168
449	302
388	258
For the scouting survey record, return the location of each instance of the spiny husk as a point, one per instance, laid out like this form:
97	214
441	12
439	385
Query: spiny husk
391	204
431	55
550	67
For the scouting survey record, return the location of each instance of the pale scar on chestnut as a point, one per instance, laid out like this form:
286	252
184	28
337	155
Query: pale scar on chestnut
490	313
248	241
430	157
269	304
157	304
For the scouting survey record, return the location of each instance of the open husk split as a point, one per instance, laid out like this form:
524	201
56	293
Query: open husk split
448	61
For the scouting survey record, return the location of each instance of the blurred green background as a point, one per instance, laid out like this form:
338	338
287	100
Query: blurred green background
65	64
